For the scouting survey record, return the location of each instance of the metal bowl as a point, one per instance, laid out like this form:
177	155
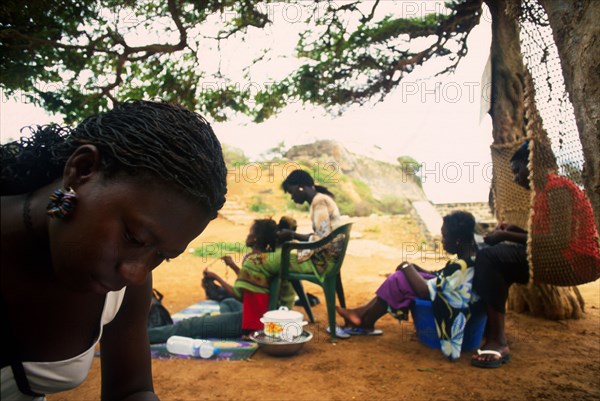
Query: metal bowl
277	347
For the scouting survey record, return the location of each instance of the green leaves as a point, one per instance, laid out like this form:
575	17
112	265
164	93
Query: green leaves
78	58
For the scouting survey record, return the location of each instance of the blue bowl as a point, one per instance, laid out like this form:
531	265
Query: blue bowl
422	313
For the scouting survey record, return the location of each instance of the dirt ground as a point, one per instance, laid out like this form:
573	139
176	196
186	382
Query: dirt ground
551	360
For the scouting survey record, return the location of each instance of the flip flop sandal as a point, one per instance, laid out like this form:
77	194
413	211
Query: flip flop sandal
359	331
339	332
496	363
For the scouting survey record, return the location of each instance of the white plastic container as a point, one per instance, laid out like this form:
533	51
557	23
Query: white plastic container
191	347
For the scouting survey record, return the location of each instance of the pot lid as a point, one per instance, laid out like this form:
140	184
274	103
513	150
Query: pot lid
283	313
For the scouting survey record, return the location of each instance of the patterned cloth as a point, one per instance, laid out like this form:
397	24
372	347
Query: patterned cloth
325	217
397	292
218	321
258	269
451	297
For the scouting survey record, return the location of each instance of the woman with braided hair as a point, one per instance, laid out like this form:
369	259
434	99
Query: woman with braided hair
254	280
87	214
262	241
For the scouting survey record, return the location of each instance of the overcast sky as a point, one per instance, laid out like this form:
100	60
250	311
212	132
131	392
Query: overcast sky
437	121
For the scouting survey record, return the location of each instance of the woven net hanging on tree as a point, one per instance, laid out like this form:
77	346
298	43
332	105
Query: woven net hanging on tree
563	242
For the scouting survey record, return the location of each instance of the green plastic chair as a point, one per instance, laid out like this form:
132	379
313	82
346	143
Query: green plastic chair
332	283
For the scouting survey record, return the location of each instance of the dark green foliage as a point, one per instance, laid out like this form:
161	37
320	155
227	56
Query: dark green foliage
411	168
259	206
78	58
394	205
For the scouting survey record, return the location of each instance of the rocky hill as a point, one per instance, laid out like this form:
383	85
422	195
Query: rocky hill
362	186
384	180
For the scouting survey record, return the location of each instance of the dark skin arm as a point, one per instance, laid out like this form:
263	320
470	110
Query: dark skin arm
416	281
231	264
417	267
288	235
214	276
125	350
505	232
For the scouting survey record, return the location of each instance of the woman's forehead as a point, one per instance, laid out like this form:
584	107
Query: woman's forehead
160	207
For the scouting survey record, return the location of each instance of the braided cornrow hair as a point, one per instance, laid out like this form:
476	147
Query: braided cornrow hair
266	234
162	139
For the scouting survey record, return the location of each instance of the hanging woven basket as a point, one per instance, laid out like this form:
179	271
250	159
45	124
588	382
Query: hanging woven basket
563	242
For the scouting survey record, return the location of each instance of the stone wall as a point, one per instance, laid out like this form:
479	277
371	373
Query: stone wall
480	210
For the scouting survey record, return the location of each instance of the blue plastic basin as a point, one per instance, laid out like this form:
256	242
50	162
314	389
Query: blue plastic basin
422	313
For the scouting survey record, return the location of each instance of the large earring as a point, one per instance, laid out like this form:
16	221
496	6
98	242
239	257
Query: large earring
61	204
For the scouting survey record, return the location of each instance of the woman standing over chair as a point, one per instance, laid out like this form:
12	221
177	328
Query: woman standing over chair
254	280
324	215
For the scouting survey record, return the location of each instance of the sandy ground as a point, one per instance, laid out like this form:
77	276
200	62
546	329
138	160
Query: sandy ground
551	360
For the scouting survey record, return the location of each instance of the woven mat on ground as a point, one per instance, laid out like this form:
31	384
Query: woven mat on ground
198	309
232	350
229	350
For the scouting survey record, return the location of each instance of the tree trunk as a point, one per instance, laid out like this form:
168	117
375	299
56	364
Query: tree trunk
508	112
576	32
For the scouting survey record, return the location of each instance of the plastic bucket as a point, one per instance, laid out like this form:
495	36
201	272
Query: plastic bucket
422	313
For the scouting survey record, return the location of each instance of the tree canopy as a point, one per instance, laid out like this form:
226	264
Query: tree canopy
76	58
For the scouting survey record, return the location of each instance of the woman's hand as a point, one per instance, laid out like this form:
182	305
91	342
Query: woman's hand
211	275
416	281
510	227
403	265
495	237
215	277
506	232
406	264
228	260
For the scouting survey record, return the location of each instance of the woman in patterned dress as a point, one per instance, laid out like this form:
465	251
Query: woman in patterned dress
449	289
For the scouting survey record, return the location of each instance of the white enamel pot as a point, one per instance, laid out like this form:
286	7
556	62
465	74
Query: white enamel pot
283	324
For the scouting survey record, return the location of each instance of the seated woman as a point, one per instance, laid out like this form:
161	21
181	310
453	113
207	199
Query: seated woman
449	289
228	324
505	261
261	234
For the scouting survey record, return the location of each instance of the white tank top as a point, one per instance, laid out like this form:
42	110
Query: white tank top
56	376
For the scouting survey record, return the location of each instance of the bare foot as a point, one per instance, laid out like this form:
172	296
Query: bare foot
351	317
